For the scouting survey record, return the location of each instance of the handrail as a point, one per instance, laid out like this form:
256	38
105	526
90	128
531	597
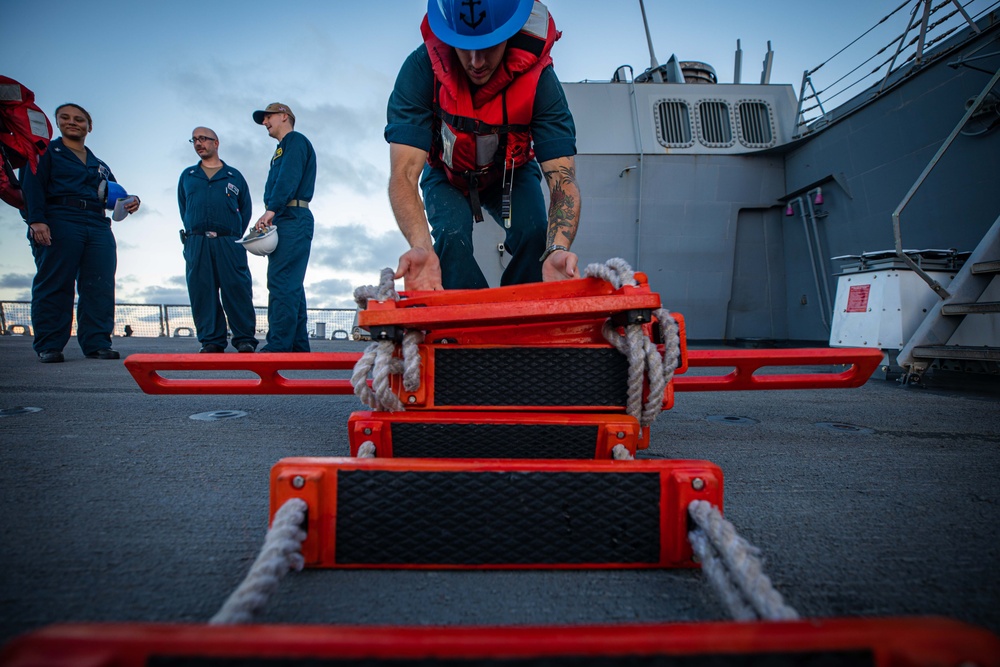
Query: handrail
896	231
915	51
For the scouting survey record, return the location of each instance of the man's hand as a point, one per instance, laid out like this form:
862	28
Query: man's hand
560	265
420	270
133	205
264	222
40	233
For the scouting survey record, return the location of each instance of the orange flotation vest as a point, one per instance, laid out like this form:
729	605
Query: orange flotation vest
481	134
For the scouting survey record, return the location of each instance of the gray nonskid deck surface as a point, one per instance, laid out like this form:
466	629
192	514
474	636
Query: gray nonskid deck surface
119	507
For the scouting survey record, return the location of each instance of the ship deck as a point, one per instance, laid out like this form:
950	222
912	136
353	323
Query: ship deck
119	507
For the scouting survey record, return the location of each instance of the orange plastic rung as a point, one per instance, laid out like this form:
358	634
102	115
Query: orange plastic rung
494	513
268	367
746	363
494	435
562	302
881	642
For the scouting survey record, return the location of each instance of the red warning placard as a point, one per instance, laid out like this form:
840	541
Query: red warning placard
857	298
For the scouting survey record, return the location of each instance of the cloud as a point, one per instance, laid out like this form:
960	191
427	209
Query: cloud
331	293
174	291
16	280
357	249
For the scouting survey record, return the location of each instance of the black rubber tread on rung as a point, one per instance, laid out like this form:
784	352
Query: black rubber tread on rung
530	376
493	518
487	441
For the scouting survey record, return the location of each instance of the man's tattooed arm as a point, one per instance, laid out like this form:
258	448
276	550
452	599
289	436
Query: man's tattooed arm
564	201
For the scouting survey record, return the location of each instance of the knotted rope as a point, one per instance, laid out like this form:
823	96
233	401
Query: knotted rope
644	361
621	453
366	450
379	358
733	567
282	552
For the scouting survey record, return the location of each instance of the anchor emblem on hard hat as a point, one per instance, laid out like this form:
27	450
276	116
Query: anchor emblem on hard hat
472	8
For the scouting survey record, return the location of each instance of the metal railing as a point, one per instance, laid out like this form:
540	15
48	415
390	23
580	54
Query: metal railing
155	320
907	48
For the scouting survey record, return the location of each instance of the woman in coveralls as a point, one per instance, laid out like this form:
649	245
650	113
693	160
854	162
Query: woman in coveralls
72	243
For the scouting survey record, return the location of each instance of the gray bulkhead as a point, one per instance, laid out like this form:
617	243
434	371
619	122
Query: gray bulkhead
694	205
690	183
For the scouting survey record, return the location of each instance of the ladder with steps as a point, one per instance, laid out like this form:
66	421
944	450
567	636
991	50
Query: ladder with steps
929	346
518	476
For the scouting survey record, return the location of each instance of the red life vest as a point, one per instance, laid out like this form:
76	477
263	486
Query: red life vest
479	133
25	133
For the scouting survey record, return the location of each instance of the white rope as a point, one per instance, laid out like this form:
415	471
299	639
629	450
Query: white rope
734	569
621	453
379	359
282	552
644	360
366	450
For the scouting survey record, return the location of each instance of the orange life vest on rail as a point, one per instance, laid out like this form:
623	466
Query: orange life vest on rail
25	132
480	131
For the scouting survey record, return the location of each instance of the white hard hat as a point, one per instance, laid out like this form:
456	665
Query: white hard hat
260	243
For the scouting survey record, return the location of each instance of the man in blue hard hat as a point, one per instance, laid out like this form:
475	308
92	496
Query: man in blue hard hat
476	117
215	206
290	184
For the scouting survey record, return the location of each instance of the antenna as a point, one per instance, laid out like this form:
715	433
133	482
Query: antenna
738	67
653	65
765	75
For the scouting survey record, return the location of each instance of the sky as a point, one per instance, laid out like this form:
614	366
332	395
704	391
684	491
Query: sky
149	73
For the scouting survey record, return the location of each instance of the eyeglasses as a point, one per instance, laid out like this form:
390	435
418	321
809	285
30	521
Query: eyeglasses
201	139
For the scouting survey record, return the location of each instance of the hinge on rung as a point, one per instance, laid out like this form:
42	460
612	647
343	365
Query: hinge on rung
627	317
389	332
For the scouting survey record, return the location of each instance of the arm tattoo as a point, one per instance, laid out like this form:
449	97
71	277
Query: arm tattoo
563	216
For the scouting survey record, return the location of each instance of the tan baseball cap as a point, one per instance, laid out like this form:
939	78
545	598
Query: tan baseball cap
273	107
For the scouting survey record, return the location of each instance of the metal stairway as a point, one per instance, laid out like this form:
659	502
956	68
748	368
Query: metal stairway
928	347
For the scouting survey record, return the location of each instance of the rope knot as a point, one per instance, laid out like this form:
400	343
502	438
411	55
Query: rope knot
644	361
380	359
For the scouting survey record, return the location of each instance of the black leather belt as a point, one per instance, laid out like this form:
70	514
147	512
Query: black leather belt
210	235
76	202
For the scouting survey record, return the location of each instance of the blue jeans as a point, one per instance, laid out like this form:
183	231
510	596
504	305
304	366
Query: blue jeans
450	216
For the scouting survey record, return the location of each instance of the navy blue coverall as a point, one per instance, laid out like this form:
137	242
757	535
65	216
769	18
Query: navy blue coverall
411	121
215	212
292	178
63	193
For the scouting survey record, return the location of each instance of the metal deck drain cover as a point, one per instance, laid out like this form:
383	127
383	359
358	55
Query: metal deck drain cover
11	412
219	415
842	427
732	419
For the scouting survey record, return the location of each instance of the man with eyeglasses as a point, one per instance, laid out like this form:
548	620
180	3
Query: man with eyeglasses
291	181
215	206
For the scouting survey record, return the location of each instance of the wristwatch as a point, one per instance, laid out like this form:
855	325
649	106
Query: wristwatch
551	249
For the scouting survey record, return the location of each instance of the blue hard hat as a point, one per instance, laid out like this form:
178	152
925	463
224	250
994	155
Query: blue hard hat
115	192
477	24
